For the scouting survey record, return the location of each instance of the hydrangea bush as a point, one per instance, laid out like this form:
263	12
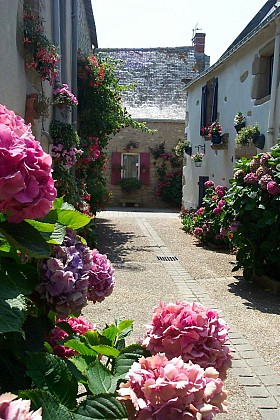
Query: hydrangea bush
191	331
253	208
160	389
26	185
48	274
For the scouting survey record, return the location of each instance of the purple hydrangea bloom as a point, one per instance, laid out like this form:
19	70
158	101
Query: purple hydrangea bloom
101	277
273	188
250	178
65	276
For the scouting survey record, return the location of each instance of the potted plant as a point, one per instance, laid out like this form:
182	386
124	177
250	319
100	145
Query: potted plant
239	121
130	184
182	147
213	132
64	98
197	158
248	135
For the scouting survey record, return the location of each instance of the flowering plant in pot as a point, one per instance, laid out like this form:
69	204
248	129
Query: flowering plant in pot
239	121
41	54
181	147
130	184
214	129
197	158
64	98
247	135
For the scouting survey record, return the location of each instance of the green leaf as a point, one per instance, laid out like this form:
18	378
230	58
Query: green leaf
101	407
106	350
127	357
58	203
111	333
50	373
80	363
51	408
41	226
12	313
80	347
73	219
100	379
123	325
93	337
22	278
26	238
58	234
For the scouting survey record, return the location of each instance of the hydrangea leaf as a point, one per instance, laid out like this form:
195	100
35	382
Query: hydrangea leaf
58	234
127	357
104	406
12	313
80	347
106	350
73	219
49	372
24	237
51	407
100	379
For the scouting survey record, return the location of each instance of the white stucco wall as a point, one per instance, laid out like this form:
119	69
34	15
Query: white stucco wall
233	95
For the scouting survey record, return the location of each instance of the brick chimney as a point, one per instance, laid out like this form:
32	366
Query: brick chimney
199	42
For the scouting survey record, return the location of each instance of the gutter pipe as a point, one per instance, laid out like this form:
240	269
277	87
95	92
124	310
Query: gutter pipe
273	97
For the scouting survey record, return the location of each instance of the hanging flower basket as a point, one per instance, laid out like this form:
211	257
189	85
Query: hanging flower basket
197	164
239	126
216	139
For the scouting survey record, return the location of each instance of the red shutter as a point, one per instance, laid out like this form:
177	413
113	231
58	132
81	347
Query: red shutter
145	168
116	168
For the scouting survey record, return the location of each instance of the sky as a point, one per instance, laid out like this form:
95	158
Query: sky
171	23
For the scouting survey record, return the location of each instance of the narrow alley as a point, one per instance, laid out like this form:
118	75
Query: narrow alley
155	260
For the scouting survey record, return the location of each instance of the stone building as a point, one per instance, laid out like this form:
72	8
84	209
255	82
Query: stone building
158	98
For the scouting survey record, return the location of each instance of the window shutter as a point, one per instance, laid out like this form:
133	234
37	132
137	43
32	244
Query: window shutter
203	109
116	168
145	168
215	100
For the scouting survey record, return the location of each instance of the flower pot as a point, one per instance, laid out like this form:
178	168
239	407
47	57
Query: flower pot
239	126
259	141
216	139
197	164
188	150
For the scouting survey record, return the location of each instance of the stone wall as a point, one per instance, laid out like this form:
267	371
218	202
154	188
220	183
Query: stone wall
170	132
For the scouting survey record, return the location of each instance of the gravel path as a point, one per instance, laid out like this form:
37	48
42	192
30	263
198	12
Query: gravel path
133	240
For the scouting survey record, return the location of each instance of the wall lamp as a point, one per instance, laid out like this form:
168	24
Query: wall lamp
200	148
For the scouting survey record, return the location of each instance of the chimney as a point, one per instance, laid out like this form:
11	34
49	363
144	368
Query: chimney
199	42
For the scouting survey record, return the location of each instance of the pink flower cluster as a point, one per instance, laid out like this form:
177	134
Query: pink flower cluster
161	389
209	184
74	274
14	408
220	191
191	331
67	157
62	95
78	325
26	186
250	178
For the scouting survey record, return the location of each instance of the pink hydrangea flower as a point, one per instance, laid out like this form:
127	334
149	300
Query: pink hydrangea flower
101	277
14	408
209	184
263	181
201	210
78	325
198	231
250	178
217	210
220	191
26	185
161	389
191	331
273	188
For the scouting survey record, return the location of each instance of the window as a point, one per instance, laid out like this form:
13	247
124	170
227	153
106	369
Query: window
209	103
262	70
130	165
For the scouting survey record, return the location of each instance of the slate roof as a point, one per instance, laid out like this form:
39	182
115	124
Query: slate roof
158	74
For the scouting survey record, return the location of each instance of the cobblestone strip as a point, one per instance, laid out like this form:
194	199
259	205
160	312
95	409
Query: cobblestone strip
260	382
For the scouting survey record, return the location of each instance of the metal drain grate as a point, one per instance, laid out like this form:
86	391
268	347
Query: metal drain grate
167	258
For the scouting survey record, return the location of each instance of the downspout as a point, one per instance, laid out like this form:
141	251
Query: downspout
273	97
74	58
56	34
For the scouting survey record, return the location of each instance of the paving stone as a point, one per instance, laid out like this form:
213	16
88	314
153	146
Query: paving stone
270	380
264	370
257	391
243	371
251	354
244	347
249	380
270	414
269	402
239	363
255	362
274	390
